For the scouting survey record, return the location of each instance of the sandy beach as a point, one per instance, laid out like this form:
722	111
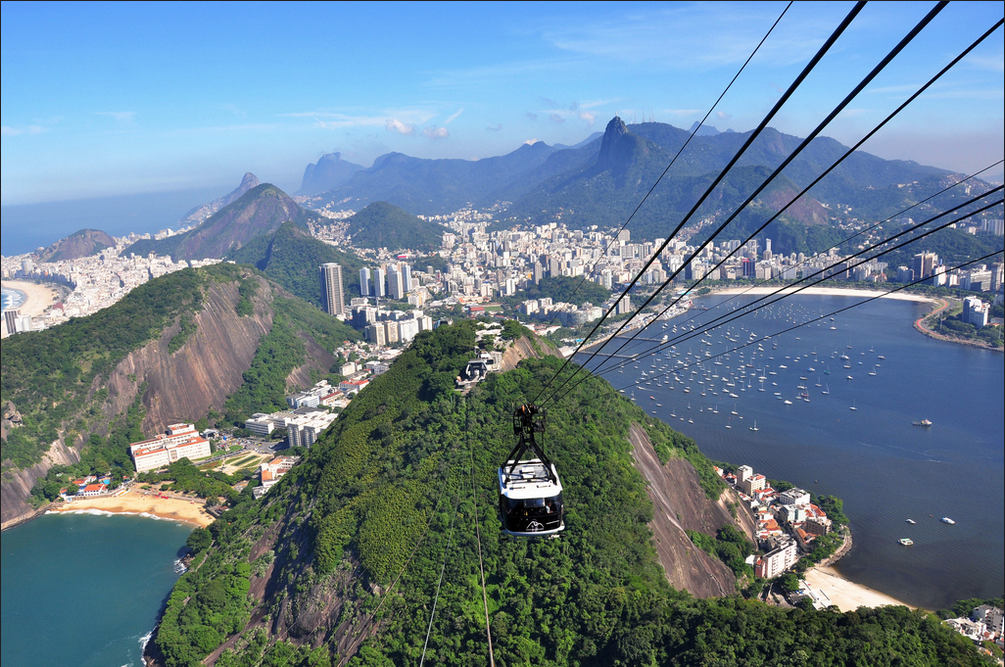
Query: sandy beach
135	501
827	291
845	594
38	298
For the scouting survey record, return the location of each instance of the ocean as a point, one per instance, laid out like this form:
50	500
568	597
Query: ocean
85	590
885	468
27	227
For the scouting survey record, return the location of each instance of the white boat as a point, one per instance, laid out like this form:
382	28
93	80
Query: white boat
946	519
911	521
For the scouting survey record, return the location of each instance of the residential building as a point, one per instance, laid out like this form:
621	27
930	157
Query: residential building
332	290
777	561
181	442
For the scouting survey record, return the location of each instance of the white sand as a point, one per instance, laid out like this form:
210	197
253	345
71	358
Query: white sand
827	291
38	298
845	594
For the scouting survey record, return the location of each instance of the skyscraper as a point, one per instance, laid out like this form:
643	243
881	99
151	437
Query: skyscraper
364	281
332	292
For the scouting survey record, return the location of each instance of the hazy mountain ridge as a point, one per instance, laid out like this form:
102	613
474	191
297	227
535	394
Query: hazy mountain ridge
200	213
330	171
261	210
547	183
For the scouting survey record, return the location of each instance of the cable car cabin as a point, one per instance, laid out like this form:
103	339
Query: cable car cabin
530	499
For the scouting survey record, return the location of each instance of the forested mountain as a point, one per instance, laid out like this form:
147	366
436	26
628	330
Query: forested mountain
259	211
384	225
602	181
83	243
221	338
341	562
291	256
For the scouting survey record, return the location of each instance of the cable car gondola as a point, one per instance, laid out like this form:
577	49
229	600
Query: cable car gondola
530	493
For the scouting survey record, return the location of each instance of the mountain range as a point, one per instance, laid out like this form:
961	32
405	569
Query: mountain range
602	180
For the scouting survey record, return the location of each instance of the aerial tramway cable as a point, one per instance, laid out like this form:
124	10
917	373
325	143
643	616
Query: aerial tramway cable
819	178
710	325
745	311
436	597
907	39
856	9
691	136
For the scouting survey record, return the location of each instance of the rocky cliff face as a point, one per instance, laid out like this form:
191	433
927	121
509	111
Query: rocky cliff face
680	504
16	486
185	385
180	386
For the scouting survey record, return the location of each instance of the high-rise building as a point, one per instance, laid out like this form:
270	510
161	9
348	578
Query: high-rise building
380	282
924	264
332	291
395	283
364	281
406	272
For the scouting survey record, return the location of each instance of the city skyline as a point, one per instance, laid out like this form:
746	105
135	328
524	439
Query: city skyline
104	100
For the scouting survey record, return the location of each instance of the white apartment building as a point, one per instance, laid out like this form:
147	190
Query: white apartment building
181	442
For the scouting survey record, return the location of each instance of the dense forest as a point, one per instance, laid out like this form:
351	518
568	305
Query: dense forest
344	556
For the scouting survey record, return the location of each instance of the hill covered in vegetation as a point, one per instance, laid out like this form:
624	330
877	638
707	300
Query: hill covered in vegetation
220	339
392	515
291	257
383	225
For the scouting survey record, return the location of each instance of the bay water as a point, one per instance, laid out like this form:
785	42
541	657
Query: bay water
849	431
85	590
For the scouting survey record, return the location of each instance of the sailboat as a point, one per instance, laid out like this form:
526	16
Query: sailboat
826	390
754	427
853	408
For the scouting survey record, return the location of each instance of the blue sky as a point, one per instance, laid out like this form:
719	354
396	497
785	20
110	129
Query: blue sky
107	99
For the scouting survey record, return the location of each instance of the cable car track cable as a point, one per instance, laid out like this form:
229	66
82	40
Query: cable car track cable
900	46
707	326
856	9
694	132
798	196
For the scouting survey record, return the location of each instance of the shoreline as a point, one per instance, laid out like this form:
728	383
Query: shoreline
37	298
140	504
844	593
825	291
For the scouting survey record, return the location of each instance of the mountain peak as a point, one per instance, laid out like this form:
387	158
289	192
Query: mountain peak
329	172
248	182
618	148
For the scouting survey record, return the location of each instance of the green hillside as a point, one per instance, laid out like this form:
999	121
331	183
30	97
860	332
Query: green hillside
342	558
291	258
383	225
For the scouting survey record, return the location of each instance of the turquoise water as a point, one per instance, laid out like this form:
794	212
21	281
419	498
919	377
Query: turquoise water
84	590
886	469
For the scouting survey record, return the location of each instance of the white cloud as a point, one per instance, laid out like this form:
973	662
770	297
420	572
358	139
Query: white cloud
395	125
434	132
722	115
452	117
589	117
557	118
9	131
124	117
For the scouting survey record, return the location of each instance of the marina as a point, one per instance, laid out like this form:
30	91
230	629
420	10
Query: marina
855	440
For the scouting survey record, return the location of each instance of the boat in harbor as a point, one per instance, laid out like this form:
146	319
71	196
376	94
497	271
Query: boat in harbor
946	519
911	521
924	422
906	541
